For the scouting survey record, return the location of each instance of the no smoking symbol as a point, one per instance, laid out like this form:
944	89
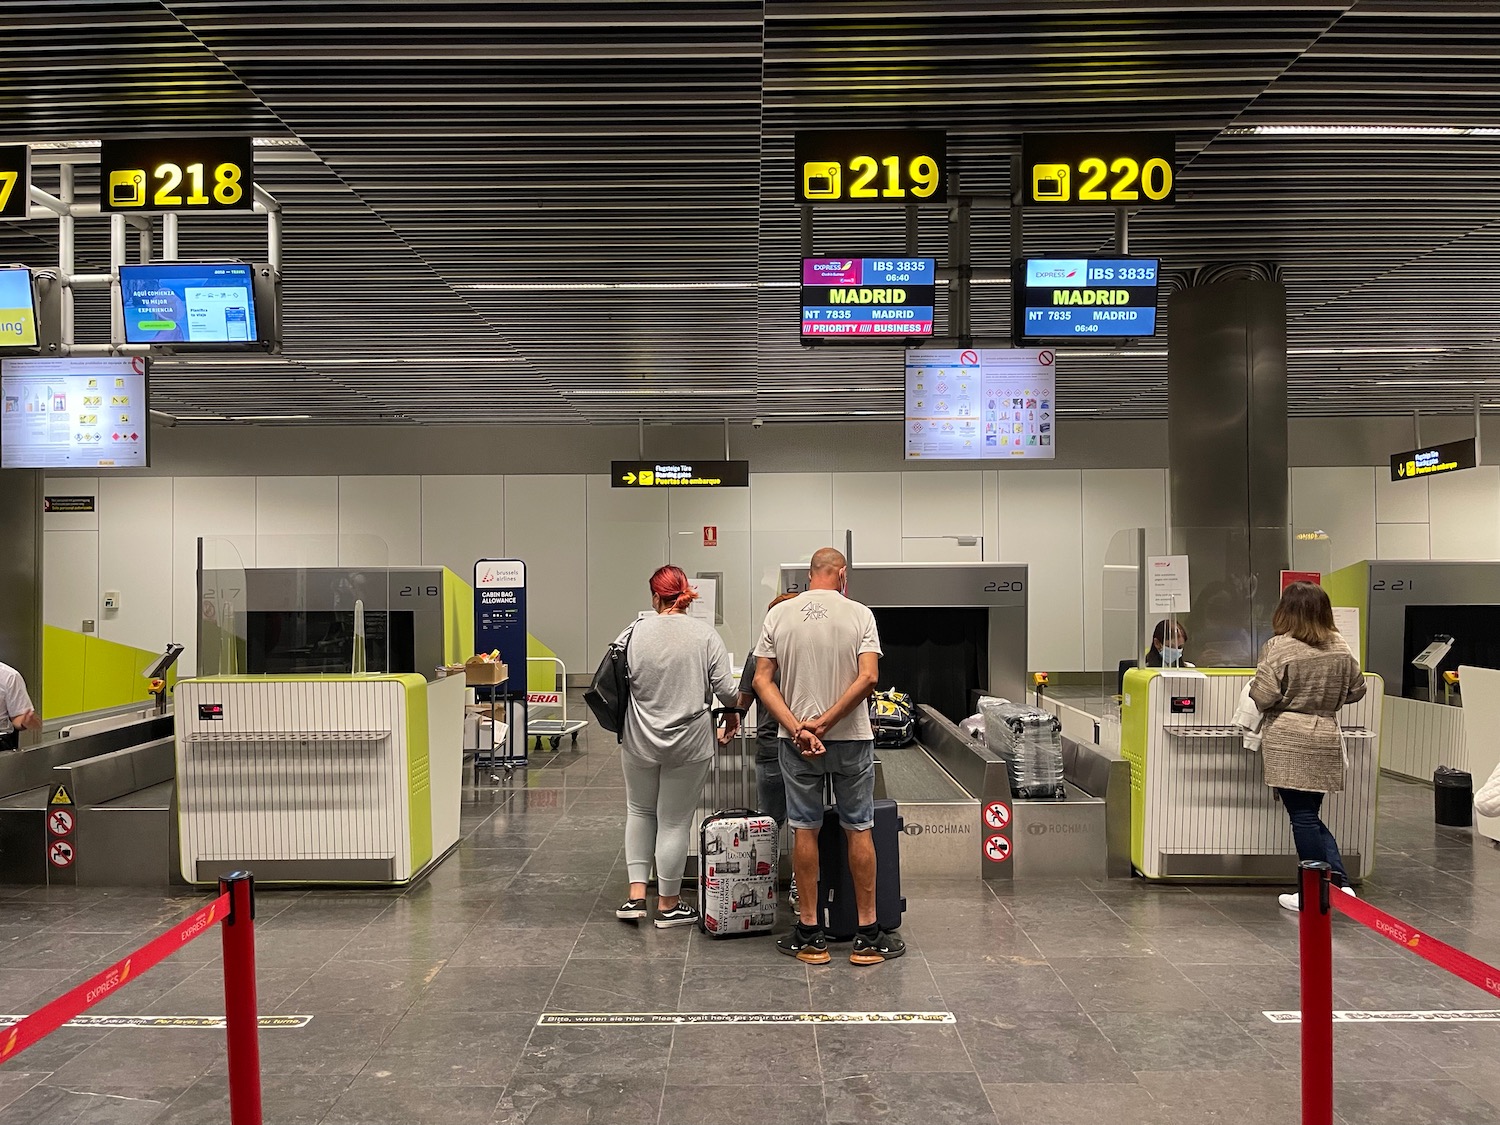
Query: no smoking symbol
61	853
60	821
997	848
997	814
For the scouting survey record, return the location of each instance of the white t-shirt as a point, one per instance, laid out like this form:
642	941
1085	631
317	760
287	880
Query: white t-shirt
816	639
13	698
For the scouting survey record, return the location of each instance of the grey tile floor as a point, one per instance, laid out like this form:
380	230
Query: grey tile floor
1075	1002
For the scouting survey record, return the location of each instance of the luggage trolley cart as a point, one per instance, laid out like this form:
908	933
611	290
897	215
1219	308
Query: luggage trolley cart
556	727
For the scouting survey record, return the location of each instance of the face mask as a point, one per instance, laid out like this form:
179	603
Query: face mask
1170	655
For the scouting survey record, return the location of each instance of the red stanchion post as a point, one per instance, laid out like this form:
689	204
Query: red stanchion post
241	1013
1315	939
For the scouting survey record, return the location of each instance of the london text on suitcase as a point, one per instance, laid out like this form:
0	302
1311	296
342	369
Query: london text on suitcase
737	874
837	911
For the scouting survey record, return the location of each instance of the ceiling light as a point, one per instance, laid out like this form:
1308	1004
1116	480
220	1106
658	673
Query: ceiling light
65	146
403	360
587	286
1434	382
270	417
1371	350
1357	130
655	392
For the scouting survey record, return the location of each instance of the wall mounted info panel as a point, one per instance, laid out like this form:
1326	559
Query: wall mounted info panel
17	311
1200	806
980	404
865	166
209	306
1098	169
1085	298
84	413
183	174
867	298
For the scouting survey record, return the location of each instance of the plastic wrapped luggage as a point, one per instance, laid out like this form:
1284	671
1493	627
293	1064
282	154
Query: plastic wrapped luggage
1030	741
737	874
837	911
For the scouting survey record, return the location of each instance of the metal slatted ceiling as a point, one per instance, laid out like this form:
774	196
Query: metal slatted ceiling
475	176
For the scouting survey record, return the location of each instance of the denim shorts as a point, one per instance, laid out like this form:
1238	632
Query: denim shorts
851	765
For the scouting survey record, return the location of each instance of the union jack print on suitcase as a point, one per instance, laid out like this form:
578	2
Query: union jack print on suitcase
737	873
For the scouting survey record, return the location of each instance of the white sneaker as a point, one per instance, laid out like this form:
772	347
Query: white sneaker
1349	891
1289	902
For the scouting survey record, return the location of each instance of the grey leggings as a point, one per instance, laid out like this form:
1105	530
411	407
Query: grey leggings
659	804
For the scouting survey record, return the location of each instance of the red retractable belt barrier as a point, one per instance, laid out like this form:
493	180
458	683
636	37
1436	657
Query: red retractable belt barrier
1319	898
234	912
52	1015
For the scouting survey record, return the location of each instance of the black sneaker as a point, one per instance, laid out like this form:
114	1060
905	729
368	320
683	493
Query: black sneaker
632	909
680	915
872	951
810	946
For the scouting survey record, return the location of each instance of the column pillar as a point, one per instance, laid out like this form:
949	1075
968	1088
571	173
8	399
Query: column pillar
21	575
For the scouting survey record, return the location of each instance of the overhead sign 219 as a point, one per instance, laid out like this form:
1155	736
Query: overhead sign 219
872	166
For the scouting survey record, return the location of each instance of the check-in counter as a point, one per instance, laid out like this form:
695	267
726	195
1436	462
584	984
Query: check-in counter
318	779
1200	807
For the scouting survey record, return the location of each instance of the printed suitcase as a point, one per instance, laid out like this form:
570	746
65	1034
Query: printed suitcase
737	874
837	910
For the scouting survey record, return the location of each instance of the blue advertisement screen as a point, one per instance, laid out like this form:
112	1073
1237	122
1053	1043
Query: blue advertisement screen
17	312
188	303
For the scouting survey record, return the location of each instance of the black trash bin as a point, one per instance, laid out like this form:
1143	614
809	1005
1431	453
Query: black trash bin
1452	797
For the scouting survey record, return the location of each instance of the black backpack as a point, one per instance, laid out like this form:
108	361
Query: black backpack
608	696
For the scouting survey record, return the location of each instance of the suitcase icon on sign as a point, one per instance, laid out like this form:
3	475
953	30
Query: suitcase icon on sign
1049	183
127	187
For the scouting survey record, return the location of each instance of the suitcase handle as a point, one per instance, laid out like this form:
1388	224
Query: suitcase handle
735	812
740	711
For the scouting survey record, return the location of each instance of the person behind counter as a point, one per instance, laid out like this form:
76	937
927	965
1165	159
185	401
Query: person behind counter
16	710
676	663
1168	640
1305	676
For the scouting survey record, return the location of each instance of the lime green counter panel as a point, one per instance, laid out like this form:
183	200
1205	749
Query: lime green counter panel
1350	587
458	614
82	674
1134	735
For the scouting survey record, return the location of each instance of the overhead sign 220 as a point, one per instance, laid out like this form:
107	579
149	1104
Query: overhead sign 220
1098	169
872	166
196	174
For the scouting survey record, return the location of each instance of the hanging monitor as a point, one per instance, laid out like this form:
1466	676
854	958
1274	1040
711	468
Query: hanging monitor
980	404
1085	298
18	316
889	299
205	306
84	413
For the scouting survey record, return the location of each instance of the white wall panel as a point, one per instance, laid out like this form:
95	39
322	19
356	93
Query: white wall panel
1399	501
869	505
218	508
1402	541
463	521
546	525
380	521
1465	519
942	503
791	502
72	521
1114	500
1041	524
1340	502
627	542
689	511
991	513
70	578
135	559
297	521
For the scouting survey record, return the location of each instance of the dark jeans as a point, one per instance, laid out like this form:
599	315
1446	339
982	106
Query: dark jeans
770	788
1314	841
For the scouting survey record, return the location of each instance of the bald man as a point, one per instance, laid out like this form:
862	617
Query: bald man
825	651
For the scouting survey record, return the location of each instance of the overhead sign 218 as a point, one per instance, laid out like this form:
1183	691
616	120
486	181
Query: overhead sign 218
872	166
197	174
1098	169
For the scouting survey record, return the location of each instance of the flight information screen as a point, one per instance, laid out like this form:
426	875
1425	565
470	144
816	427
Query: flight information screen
189	303
1085	298
979	404
867	298
83	413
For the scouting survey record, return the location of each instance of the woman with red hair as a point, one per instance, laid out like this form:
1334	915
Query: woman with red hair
676	665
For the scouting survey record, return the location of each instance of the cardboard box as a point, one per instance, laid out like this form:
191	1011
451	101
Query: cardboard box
479	673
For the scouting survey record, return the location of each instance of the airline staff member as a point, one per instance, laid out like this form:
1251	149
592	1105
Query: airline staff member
16	712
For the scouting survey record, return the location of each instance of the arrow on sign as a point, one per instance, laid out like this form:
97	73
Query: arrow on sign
629	478
1401	469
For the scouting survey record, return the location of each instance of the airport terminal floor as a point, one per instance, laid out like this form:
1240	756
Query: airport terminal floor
1074	1002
